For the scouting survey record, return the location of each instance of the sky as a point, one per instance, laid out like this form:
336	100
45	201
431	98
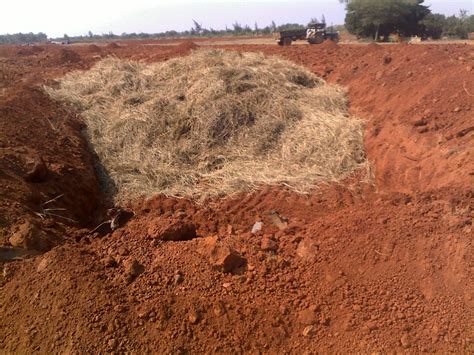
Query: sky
57	17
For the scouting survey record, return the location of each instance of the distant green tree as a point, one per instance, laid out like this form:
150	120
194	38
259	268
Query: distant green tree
373	18
434	25
273	26
197	27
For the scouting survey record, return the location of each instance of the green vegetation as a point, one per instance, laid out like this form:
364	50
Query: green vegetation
380	18
23	38
365	18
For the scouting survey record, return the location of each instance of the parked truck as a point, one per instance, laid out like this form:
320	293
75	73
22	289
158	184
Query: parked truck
315	33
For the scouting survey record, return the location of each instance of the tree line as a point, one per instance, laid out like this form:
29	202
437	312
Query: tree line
196	30
375	19
23	38
380	18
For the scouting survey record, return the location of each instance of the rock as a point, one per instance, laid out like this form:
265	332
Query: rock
423	129
308	331
109	261
178	278
307	317
112	343
419	123
30	236
219	309
172	231
133	268
372	326
307	249
257	227
221	257
194	317
405	341
457	109
226	259
268	244
37	171
277	220
43	264
387	59
378	75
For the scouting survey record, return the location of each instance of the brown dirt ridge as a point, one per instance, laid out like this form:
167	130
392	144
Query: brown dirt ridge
351	266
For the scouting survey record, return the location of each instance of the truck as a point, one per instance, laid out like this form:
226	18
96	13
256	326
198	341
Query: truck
315	33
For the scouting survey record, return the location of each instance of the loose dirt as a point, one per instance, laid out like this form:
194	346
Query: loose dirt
350	267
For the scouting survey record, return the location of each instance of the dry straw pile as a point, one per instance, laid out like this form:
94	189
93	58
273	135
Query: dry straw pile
213	123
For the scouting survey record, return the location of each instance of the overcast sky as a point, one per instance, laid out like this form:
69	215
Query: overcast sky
56	17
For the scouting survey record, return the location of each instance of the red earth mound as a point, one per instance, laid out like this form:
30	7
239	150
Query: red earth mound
113	45
29	50
329	44
93	48
351	267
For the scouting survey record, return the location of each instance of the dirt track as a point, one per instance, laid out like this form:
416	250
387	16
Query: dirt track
358	267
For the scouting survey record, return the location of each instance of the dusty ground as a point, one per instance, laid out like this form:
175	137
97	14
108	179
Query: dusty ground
363	267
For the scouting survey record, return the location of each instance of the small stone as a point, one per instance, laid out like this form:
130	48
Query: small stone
109	261
419	123
226	259
219	309
357	308
133	267
372	326
268	244
308	331
378	75
400	315
405	341
30	236
194	317
387	59
307	249
178	278
38	171
43	264
257	227
226	284
307	317
143	315
112	343
122	251
457	109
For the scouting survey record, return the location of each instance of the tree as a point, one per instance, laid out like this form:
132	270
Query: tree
197	27
323	19
273	26
382	17
237	27
433	25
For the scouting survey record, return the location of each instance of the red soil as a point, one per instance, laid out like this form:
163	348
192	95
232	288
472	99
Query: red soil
355	267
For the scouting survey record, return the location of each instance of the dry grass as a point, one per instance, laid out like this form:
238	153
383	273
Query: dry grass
214	123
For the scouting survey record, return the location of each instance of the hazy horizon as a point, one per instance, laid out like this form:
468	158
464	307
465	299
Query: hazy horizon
56	18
